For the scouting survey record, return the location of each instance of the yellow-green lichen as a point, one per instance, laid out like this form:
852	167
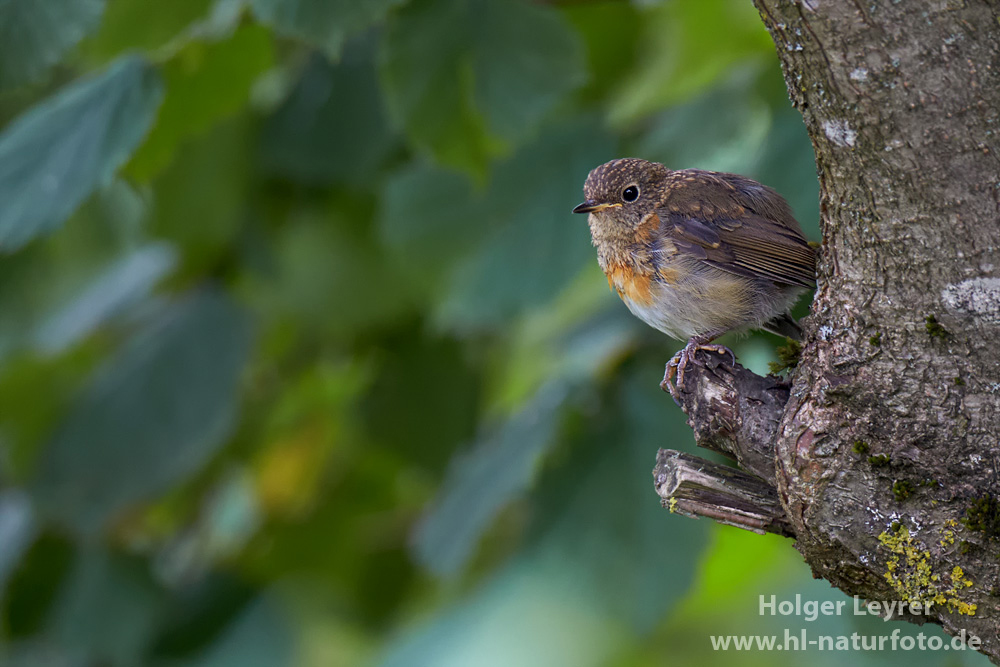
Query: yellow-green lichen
672	505
947	534
909	572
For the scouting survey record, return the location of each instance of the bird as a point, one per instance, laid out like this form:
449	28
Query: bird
696	253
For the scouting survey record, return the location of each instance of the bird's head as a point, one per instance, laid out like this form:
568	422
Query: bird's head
620	193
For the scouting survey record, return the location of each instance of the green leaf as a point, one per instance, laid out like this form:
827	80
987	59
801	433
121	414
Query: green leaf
731	121
637	559
35	34
686	46
17	531
465	79
483	480
427	78
535	244
765	563
34	587
142	25
325	24
332	128
525	59
151	417
205	82
605	562
487	255
49	274
61	150
317	264
261	636
608	30
123	283
36	391
432	390
429	219
129	601
203	193
531	614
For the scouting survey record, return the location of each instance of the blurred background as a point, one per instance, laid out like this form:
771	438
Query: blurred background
305	361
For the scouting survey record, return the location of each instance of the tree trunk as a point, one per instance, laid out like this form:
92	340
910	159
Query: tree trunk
886	451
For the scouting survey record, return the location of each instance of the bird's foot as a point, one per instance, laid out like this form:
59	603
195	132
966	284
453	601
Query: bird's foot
688	355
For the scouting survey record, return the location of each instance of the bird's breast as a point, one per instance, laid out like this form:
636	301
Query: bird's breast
631	284
646	294
642	274
680	298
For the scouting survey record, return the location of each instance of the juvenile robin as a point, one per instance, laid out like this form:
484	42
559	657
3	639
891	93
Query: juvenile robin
697	253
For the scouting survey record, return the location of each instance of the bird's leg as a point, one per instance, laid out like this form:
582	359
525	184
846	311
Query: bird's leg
668	375
688	354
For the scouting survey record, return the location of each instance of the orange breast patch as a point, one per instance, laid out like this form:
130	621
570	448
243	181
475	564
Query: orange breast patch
629	283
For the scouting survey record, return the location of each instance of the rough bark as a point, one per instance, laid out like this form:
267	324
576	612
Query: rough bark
886	454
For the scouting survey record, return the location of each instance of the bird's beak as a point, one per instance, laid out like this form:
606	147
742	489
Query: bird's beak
590	206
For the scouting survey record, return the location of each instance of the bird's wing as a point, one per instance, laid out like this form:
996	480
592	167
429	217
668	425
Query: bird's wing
737	225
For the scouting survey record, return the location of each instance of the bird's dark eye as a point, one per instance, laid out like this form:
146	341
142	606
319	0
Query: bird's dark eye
631	193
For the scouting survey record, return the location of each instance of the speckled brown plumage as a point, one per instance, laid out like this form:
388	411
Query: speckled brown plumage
697	253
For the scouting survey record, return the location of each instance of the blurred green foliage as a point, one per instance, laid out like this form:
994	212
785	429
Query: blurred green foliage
304	360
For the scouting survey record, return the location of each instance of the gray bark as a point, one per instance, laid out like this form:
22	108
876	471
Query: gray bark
886	455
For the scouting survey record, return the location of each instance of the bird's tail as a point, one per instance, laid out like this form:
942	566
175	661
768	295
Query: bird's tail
784	325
